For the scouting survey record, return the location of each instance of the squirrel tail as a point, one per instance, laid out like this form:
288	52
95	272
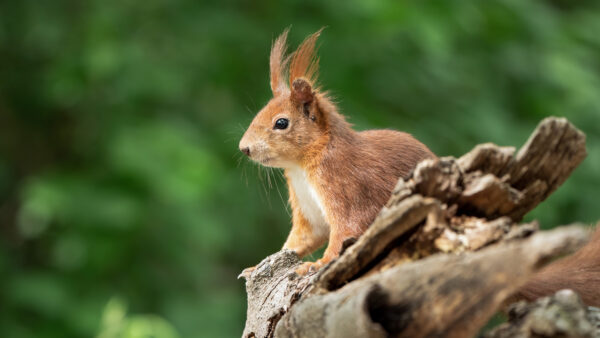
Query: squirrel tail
579	272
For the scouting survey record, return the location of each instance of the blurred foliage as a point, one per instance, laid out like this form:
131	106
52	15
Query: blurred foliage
120	178
115	323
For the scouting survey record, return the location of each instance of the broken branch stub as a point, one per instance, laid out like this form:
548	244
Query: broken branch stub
389	225
462	211
489	182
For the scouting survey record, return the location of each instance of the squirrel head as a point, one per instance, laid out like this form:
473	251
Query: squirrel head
293	122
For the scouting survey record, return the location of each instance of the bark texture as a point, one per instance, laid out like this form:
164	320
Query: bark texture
561	315
441	258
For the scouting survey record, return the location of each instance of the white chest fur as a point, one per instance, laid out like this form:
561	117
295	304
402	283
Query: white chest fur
309	200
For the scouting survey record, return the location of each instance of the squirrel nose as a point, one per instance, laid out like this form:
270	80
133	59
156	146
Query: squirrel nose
246	151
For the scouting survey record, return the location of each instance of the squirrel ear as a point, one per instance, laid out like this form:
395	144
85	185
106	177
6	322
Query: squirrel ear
301	91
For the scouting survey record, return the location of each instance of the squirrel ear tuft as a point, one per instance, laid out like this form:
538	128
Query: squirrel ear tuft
301	91
277	63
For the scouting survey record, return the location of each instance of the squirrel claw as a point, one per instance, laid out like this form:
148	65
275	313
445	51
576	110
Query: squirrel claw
246	272
309	267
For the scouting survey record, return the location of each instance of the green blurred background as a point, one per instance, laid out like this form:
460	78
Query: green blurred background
126	209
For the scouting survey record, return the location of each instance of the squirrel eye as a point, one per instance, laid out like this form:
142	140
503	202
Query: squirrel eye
281	124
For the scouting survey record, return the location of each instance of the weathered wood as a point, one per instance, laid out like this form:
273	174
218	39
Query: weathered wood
272	288
561	315
389	225
441	256
443	295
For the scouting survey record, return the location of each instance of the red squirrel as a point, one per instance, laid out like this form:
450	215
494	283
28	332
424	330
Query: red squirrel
338	178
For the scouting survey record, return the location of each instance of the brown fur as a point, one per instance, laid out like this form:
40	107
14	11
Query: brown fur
579	272
353	173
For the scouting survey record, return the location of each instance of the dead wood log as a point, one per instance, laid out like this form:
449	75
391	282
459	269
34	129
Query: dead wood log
561	315
442	256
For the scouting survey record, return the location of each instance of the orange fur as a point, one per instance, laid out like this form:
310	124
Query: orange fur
338	178
277	65
579	272
302	239
305	63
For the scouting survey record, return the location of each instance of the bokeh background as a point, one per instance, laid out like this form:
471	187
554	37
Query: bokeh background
126	209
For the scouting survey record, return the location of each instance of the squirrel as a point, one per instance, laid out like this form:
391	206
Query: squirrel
338	178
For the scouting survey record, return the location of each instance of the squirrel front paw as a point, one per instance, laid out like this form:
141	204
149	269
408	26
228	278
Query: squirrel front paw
307	267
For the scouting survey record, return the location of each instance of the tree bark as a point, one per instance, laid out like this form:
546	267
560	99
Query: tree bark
442	256
561	315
